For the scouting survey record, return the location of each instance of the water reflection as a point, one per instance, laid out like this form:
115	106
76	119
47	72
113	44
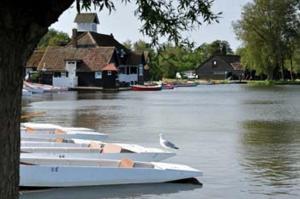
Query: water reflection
270	154
126	191
93	119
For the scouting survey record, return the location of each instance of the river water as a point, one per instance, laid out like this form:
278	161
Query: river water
246	140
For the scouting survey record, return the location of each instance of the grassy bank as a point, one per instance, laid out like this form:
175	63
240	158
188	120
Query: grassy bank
250	83
272	82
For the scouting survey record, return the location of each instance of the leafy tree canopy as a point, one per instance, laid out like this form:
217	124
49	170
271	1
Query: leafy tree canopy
54	38
168	58
268	30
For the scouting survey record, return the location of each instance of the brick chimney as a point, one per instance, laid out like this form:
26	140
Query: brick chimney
74	37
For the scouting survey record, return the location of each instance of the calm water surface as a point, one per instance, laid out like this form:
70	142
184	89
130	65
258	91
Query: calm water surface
245	140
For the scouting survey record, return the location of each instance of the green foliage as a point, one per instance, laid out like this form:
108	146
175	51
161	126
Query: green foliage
168	59
266	83
35	76
268	30
54	38
128	44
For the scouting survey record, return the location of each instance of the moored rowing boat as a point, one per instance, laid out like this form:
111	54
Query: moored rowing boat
146	87
92	150
55	172
36	130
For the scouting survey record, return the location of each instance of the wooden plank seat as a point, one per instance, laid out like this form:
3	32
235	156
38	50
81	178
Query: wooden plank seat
111	148
126	163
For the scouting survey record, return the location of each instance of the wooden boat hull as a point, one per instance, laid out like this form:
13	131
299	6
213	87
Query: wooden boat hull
146	88
70	175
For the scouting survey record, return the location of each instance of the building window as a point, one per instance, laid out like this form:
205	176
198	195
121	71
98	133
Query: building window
109	73
214	63
133	70
57	74
98	75
141	71
122	70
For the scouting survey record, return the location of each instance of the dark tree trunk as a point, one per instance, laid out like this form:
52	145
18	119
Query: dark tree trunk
282	68
270	74
22	24
291	69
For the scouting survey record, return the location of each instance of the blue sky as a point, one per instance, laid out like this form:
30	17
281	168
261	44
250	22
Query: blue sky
125	26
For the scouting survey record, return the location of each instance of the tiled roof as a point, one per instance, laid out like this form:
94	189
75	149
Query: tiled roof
231	60
89	59
35	58
237	66
107	40
86	18
110	67
135	59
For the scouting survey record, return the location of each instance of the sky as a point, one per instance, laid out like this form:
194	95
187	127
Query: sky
125	26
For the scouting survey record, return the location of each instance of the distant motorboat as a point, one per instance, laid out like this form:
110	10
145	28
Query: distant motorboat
56	172
32	88
146	87
41	88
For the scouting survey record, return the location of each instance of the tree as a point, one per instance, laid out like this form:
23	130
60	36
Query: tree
24	23
219	47
268	30
128	44
54	38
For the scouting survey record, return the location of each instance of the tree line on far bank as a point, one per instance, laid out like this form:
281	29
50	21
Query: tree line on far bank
269	31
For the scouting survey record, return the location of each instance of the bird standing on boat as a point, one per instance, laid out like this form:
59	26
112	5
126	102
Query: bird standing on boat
166	144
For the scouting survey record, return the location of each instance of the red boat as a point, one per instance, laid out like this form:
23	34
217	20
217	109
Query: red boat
168	86
146	87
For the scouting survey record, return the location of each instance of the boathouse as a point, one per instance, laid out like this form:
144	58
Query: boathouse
220	67
90	59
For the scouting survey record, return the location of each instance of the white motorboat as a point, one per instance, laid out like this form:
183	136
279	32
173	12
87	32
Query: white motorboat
56	172
93	150
36	130
26	92
32	88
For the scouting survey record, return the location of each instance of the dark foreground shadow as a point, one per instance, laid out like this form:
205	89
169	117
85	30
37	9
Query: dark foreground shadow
124	191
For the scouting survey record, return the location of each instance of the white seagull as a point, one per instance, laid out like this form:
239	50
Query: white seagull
166	144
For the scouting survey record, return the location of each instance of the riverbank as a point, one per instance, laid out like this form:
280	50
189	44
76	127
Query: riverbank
248	82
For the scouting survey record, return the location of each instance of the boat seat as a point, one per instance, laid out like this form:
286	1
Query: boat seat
59	131
126	163
29	130
59	140
111	148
